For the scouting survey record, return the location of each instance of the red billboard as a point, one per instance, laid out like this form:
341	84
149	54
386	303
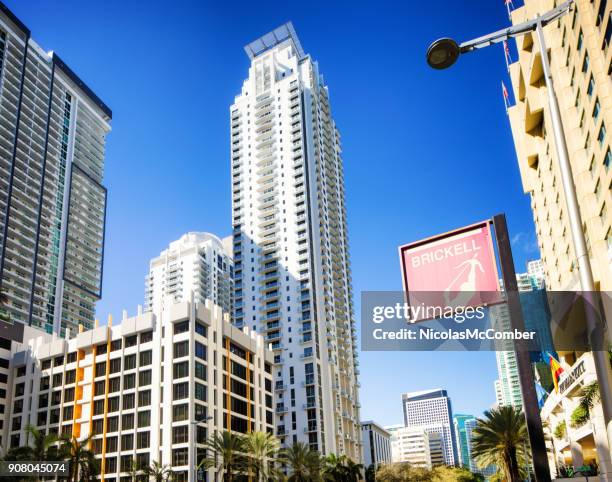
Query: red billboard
458	266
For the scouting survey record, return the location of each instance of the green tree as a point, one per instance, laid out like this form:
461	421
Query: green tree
157	472
499	439
402	472
370	473
341	469
40	446
303	464
263	452
227	454
83	464
560	430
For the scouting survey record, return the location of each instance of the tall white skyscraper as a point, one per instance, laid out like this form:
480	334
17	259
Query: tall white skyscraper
292	269
431	410
196	263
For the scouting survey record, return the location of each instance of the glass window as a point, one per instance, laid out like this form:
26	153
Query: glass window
144	378
179	412
129	362
181	349
127	421
146	337
200	371
129	381
144	418
180	434
200	350
181	327
128	401
142	440
601	137
180	391
200	392
144	398
113	404
180	370
146	358
127	442
591	86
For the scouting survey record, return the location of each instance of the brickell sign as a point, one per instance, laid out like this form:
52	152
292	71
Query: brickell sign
459	266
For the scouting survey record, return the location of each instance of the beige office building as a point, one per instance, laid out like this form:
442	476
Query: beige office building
581	65
152	388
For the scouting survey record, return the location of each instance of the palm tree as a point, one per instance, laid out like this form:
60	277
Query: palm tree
44	446
499	439
83	463
263	451
353	470
341	469
157	472
304	464
229	449
134	469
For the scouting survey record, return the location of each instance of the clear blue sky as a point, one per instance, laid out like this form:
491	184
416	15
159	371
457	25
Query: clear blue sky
424	151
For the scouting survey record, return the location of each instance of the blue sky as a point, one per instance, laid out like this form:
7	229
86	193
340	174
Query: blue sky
424	151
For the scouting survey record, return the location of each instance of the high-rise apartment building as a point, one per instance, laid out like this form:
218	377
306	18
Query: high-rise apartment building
292	271
431	411
581	66
153	388
376	444
196	263
461	423
52	201
536	316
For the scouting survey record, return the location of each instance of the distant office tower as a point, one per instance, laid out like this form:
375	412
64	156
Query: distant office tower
52	202
376	444
536	315
292	269
581	66
431	410
461	422
153	388
198	263
416	446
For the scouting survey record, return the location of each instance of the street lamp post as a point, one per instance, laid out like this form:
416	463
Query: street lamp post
195	424
442	54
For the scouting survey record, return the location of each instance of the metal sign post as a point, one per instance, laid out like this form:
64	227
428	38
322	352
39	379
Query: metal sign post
526	379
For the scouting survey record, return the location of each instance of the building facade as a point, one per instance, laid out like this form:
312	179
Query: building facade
376	442
536	315
52	201
150	389
572	438
581	66
196	263
292	271
462	424
416	446
431	411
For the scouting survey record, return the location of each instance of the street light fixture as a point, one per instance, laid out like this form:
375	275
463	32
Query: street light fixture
443	53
